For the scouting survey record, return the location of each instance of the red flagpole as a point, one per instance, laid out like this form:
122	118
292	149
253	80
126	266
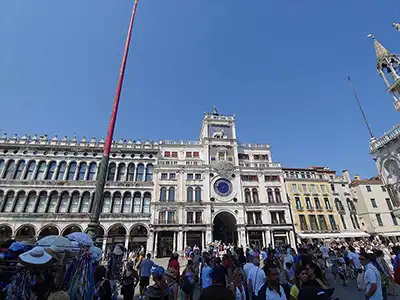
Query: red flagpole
101	178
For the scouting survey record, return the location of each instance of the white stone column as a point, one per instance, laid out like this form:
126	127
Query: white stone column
292	239
155	244
126	241
184	239
203	239
272	239
86	171
263	238
66	170
24	170
179	247
209	236
103	247
174	242
150	243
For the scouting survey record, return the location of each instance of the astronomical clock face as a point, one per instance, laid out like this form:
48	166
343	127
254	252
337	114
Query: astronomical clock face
223	190
223	187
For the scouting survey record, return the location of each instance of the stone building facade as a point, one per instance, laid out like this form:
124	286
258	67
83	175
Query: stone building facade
163	195
321	204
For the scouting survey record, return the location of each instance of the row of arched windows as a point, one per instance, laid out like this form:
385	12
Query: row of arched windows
31	170
193	194
72	203
167	194
252	196
130	173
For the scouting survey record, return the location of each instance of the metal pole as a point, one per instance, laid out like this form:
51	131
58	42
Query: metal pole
101	178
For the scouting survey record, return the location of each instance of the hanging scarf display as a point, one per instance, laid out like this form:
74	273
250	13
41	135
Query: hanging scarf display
21	285
81	283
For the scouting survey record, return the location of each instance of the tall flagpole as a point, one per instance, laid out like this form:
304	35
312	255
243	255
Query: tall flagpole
101	177
361	109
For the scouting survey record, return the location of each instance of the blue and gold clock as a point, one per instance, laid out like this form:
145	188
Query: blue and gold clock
223	187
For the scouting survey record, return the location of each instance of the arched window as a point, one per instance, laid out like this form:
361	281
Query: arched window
350	204
1	165
137	198
53	202
197	194
255	196
131	172
8	202
20	202
111	172
30	203
92	171
149	172
10	169
71	171
85	207
121	172
64	203
41	208
20	169
116	207
74	202
338	204
163	194
189	194
171	194
270	196
50	170
106	203
82	171
146	203
247	196
126	206
61	171
30	170
139	172
278	196
40	171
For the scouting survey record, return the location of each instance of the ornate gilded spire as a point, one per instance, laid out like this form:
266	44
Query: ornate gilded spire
380	50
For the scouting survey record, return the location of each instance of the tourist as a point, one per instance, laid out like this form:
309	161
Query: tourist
255	279
206	271
145	272
130	278
188	279
274	290
286	278
264	255
228	264
159	290
170	276
315	276
237	286
217	290
372	278
102	284
300	278
354	261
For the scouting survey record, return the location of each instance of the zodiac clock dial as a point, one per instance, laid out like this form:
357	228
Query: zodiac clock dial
223	187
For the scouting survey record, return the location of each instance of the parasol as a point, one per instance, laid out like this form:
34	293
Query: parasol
81	238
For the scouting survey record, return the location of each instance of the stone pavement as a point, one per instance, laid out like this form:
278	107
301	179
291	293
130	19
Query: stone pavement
343	293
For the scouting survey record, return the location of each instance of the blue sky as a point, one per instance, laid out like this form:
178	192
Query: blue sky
281	66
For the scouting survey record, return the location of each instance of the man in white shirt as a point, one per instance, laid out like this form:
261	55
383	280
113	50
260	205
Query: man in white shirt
274	289
256	278
354	259
372	279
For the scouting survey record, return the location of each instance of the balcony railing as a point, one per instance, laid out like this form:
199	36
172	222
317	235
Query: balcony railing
167	222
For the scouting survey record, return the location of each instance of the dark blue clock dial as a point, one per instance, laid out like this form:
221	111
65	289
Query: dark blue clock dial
223	187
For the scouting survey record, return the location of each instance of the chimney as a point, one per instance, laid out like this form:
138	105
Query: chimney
346	175
357	177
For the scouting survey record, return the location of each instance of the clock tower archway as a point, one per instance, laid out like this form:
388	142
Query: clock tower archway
224	228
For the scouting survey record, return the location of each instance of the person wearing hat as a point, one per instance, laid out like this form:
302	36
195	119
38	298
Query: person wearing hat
159	290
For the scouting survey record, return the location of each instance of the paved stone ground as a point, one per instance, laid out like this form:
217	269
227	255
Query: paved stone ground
343	293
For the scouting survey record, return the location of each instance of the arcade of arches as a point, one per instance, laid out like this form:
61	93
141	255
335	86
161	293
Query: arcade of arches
117	233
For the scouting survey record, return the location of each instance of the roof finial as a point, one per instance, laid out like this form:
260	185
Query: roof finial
396	25
215	112
379	49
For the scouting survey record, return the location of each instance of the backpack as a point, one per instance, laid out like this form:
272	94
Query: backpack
397	271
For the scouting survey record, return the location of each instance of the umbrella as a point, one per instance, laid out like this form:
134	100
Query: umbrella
55	240
81	238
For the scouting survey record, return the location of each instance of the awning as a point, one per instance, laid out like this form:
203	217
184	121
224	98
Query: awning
332	235
390	233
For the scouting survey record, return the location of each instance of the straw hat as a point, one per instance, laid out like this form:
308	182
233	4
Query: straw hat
118	249
30	242
36	256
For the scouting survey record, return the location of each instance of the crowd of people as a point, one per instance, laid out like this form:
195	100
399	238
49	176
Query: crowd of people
73	268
